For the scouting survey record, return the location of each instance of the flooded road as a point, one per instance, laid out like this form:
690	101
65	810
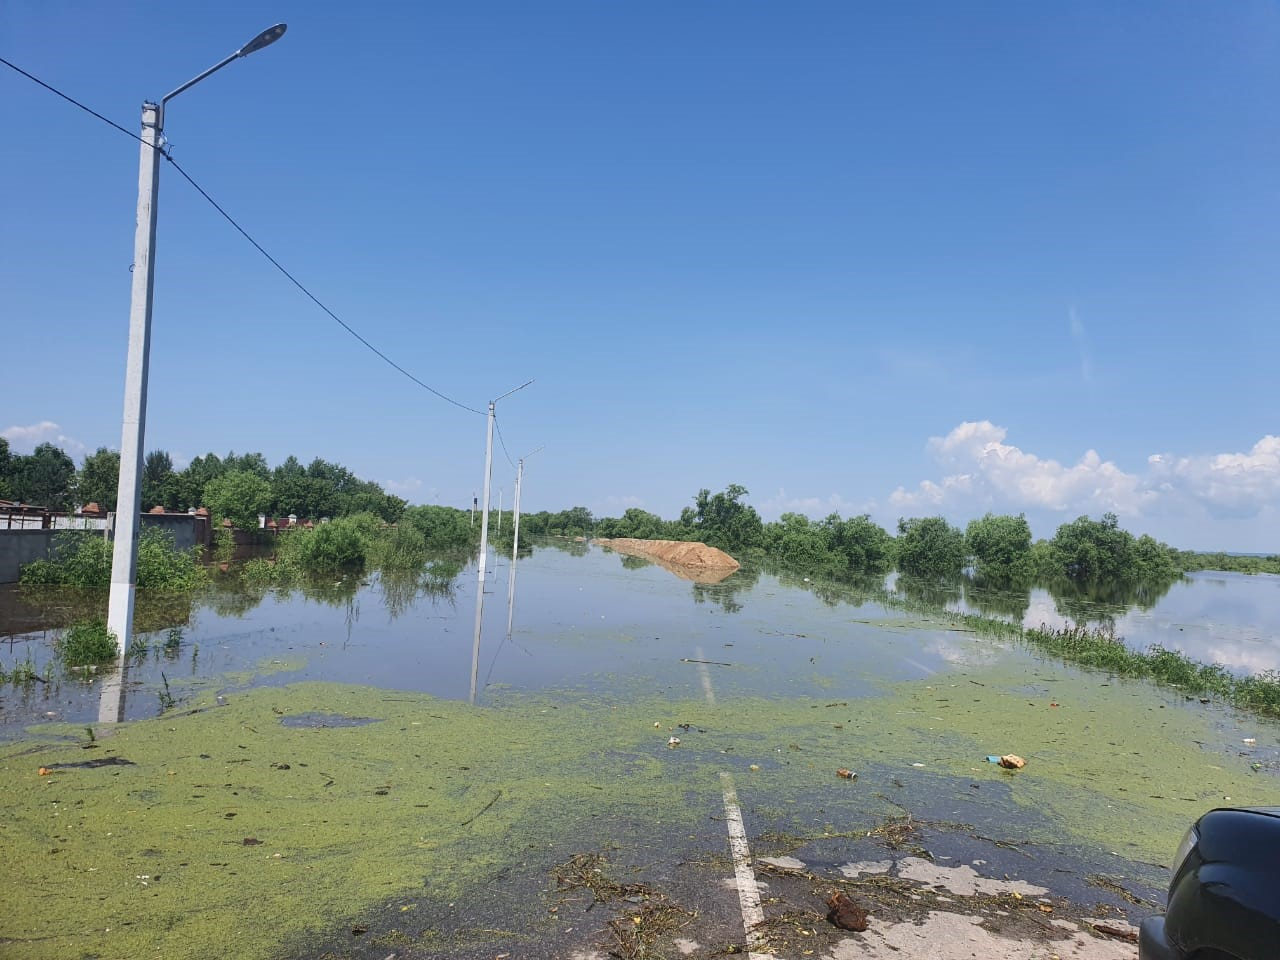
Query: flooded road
305	777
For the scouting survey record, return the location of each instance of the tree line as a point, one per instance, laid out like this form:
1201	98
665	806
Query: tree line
994	548
237	486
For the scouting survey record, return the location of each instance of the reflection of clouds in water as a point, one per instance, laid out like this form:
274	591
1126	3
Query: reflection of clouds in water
1042	609
950	650
1241	659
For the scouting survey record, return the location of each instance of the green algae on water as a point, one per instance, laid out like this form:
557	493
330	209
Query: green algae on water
235	830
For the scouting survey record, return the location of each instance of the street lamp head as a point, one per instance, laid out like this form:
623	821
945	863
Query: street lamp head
264	39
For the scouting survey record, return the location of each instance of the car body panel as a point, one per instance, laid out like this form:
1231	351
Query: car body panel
1225	896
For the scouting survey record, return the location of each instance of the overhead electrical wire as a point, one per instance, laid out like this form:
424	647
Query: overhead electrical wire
503	442
257	246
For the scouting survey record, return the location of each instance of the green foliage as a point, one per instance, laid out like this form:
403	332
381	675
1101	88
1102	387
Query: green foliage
1087	550
866	546
1103	650
240	496
723	520
44	478
159	482
23	673
1189	560
445	528
6	471
930	547
1001	547
162	566
638	524
87	643
340	545
98	478
83	559
402	547
798	542
76	559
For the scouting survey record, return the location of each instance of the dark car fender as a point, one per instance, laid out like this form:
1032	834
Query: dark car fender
1225	896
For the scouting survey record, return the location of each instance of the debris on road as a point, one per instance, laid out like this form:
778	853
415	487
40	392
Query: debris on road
844	774
845	913
1010	761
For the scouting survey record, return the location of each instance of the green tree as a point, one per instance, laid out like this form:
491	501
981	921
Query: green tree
239	496
1087	550
723	520
45	478
99	478
6	470
192	481
634	522
866	546
159	482
930	547
1001	545
798	542
574	521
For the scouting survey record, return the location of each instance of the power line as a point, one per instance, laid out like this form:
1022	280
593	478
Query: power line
311	296
244	233
504	443
71	100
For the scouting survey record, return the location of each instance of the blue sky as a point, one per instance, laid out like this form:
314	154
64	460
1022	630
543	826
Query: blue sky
904	259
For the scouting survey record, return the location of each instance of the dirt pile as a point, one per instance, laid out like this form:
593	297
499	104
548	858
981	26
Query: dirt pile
691	561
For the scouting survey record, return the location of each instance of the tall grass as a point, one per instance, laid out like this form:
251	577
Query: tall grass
87	643
1101	649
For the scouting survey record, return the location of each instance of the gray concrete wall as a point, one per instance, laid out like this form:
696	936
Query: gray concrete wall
20	547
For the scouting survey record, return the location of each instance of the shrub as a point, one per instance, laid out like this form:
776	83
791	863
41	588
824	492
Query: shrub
80	559
88	642
930	547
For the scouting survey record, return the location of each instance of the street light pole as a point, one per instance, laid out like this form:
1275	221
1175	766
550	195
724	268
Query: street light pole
124	556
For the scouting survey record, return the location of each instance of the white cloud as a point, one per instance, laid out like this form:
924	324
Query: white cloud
26	439
986	472
1227	483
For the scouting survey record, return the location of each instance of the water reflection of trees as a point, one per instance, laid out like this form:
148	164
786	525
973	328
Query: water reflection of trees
1104	603
634	563
55	608
577	548
402	589
994	597
931	594
724	594
851	590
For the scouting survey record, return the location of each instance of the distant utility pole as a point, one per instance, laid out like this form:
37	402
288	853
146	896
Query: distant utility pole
515	543
499	509
484	536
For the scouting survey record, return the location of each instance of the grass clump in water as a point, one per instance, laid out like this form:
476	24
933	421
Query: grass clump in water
22	674
88	643
1102	649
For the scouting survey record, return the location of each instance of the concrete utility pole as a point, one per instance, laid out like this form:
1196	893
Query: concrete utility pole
515	544
484	538
124	555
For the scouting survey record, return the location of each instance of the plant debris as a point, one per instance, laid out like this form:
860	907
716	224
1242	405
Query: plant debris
845	912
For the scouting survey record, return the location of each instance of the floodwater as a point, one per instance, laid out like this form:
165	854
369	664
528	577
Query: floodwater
585	617
311	768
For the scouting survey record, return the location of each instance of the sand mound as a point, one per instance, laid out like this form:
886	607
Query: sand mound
692	561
